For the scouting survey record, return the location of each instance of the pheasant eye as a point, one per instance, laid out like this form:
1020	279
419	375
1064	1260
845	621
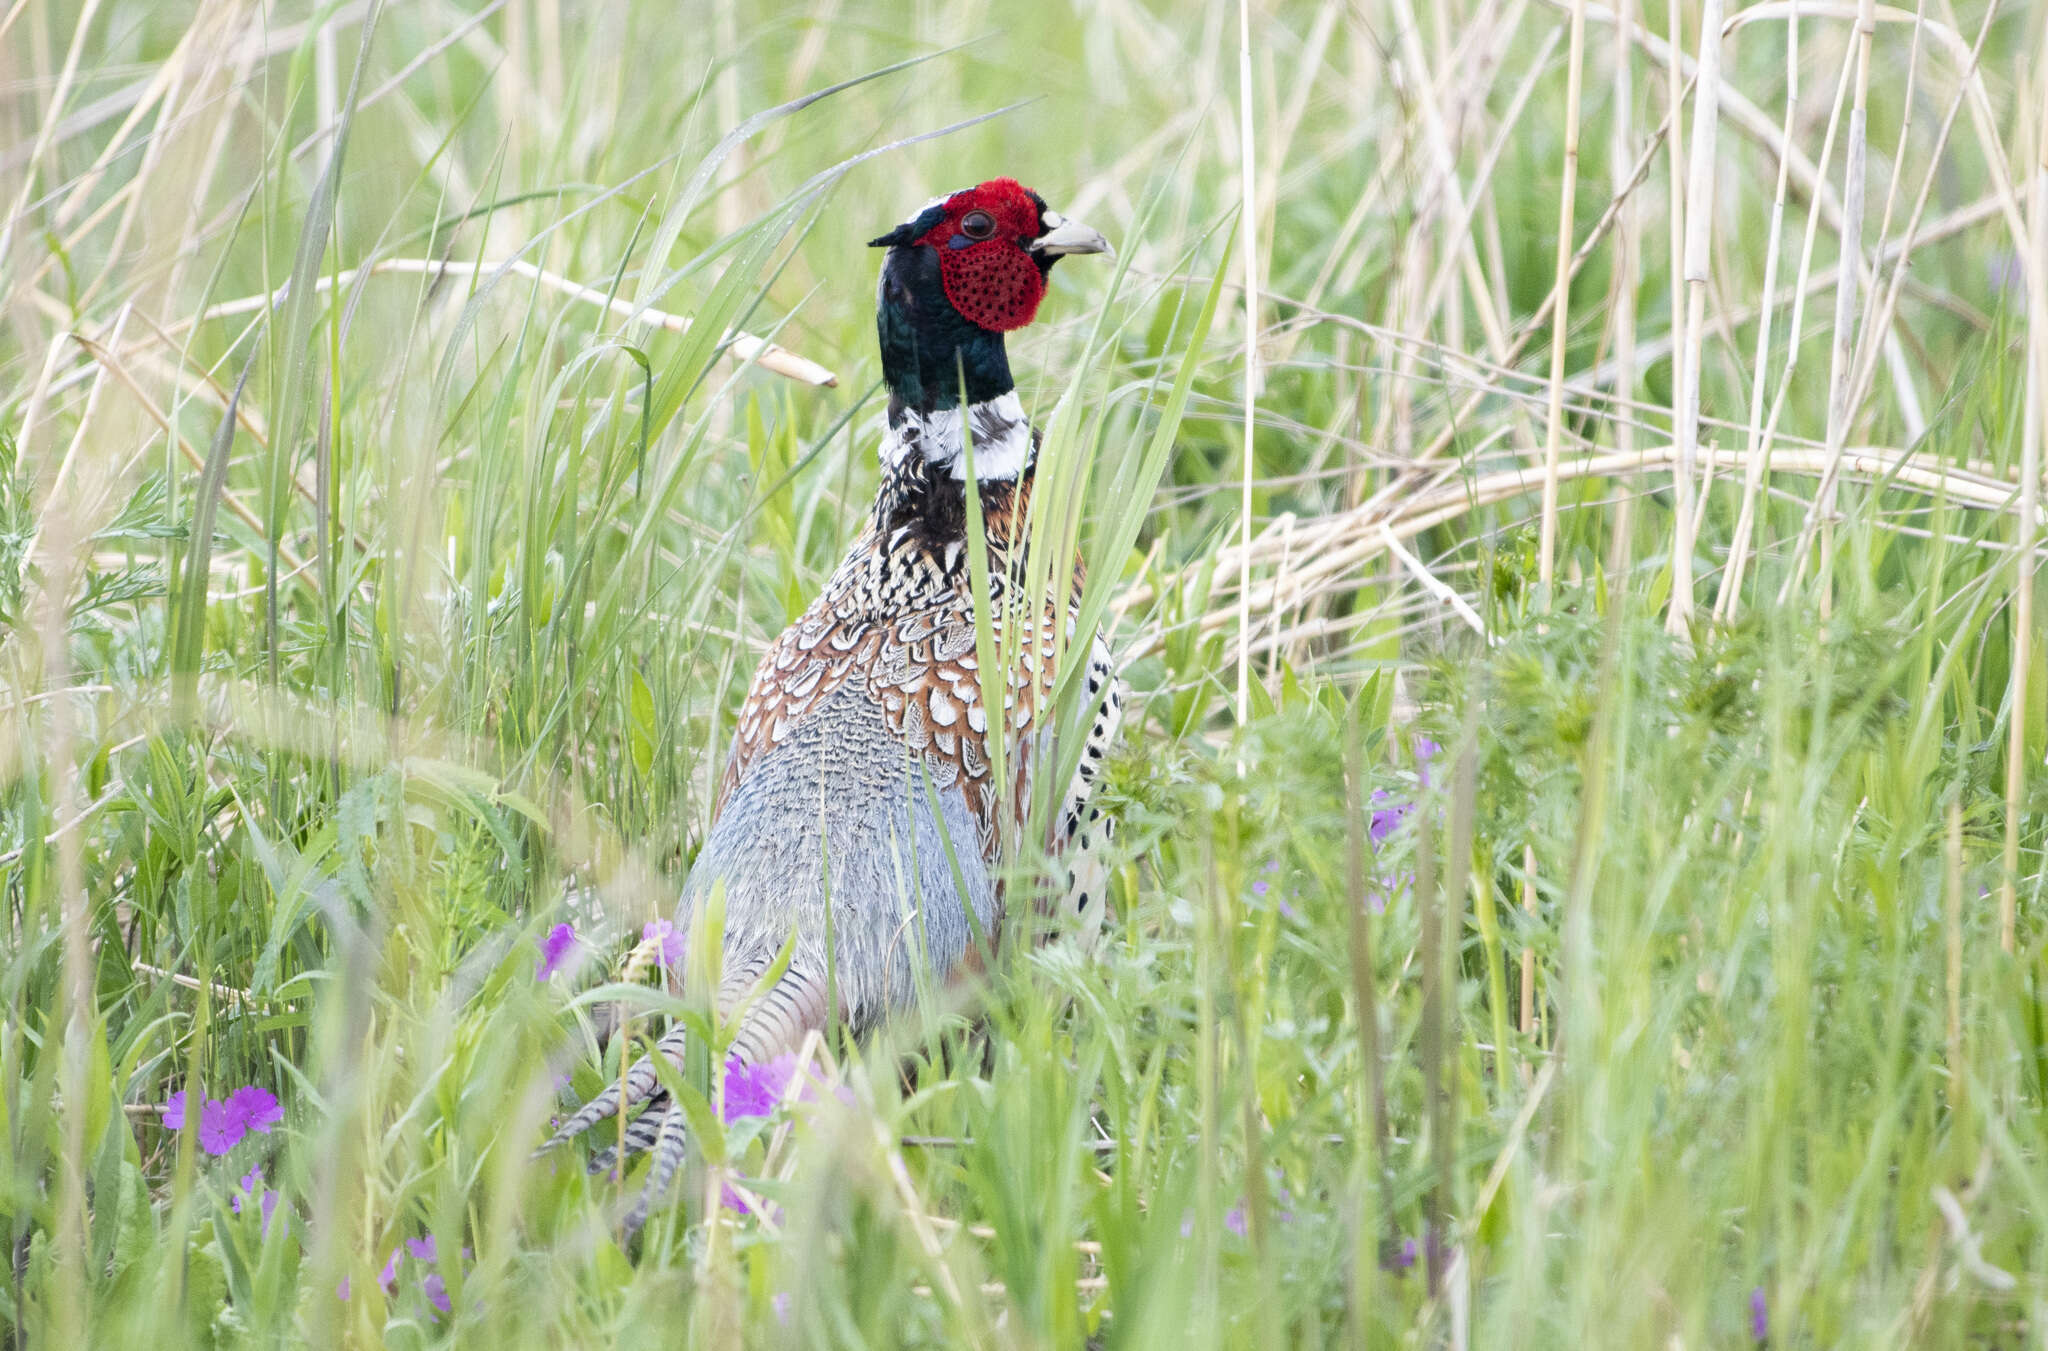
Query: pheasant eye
977	225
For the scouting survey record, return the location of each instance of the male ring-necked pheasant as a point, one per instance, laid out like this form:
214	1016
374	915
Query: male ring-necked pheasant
859	800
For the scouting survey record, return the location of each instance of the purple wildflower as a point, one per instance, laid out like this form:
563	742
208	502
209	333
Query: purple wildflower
254	1190
1759	1315
1398	1259
1425	751
671	939
755	1090
1234	1220
554	950
255	1108
1387	819
221	1127
341	1290
424	1250
779	1303
174	1111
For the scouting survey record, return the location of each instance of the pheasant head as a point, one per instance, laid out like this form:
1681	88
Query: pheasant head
960	273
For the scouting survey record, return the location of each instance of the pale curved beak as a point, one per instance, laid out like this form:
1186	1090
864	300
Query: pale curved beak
1063	236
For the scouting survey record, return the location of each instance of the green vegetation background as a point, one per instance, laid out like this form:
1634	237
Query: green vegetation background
317	716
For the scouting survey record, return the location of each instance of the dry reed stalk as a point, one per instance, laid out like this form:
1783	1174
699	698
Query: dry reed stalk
1674	162
1806	173
1847	276
1841	350
1331	548
1865	369
1699	226
1621	134
1432	584
1511	116
1560	330
1984	122
1248	229
745	346
2030	489
47	127
1758	461
1437	143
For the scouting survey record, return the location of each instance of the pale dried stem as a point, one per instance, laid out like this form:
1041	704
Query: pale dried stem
1866	364
1248	230
1841	350
1758	461
745	346
1560	328
226	993
2024	563
46	131
1330	550
1627	262
1698	231
1435	587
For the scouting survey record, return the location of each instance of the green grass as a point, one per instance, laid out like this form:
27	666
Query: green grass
303	750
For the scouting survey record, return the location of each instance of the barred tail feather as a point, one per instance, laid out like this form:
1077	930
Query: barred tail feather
775	1024
641	1083
641	1132
669	1144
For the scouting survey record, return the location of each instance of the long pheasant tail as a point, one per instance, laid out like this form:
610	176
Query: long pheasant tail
771	1026
641	1084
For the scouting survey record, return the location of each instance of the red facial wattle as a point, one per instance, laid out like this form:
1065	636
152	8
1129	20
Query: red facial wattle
992	282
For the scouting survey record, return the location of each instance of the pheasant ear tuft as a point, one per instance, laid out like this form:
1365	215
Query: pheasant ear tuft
899	235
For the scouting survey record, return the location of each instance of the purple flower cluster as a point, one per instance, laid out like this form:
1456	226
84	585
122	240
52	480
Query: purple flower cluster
555	949
1262	888
224	1121
756	1090
1389	811
1759	1315
752	1091
254	1192
432	1286
672	941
